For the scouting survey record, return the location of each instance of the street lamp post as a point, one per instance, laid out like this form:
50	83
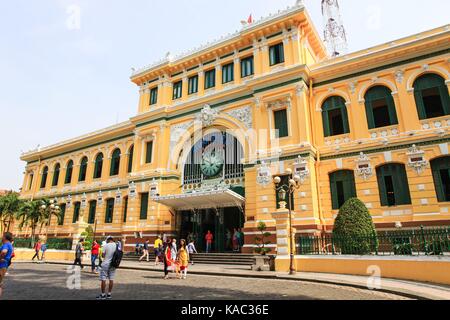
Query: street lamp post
294	183
54	210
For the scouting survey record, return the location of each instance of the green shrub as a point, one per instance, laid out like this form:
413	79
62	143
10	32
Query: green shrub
261	241
88	236
354	231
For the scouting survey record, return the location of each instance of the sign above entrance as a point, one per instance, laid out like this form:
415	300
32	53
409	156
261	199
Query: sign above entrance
202	200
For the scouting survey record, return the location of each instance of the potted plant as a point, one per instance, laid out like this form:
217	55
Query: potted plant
262	260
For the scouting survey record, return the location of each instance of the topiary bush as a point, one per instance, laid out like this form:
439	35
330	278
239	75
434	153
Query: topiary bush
354	231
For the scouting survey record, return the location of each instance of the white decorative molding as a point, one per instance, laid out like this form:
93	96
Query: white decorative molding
207	116
301	169
363	167
374	82
263	175
132	190
416	159
243	115
440	71
399	76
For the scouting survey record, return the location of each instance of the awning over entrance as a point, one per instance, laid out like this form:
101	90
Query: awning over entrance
202	200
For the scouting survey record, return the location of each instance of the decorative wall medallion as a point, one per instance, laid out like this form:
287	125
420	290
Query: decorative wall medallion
153	188
416	159
301	168
243	114
69	201
207	116
118	197
132	190
263	175
363	167
100	198
83	200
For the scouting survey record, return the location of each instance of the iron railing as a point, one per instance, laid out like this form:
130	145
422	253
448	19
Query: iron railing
401	242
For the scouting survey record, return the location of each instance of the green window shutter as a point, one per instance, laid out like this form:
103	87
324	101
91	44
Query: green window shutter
272	56
177	90
443	91
369	114
109	211
98	166
125	209
83	170
326	124
144	206
193	85
276	54
69	172
210	78
345	118
56	175
419	104
281	52
76	212
44	177
437	166
382	186
130	159
154	96
247	67
401	185
92	209
149	152
347	178
228	73
281	123
115	163
62	214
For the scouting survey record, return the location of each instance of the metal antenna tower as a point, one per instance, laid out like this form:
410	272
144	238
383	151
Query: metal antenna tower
334	32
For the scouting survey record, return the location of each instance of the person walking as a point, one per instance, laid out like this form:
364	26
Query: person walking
235	240
6	251
44	248
94	255
145	255
37	249
191	249
157	246
183	258
173	254
107	272
209	239
167	257
79	253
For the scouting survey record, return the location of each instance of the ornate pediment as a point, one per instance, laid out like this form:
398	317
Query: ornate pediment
243	115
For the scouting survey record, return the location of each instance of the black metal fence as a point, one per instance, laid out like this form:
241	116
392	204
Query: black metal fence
401	242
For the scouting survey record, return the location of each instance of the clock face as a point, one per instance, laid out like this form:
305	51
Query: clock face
211	165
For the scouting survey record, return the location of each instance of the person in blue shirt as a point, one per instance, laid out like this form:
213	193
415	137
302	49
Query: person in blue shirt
6	251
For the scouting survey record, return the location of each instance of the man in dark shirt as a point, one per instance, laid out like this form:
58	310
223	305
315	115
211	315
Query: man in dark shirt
79	253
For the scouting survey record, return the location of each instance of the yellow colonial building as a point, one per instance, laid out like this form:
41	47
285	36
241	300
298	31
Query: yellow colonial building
216	124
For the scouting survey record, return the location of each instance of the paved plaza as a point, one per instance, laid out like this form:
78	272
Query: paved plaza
46	281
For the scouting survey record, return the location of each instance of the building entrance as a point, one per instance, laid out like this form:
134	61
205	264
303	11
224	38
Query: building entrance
221	222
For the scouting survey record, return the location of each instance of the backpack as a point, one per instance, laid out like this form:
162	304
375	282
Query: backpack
117	257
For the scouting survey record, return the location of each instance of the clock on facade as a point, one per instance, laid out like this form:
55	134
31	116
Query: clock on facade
211	165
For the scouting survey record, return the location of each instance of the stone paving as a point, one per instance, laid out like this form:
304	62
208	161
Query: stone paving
49	282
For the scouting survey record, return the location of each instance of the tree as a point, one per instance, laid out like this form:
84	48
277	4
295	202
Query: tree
260	241
9	206
31	214
354	231
88	236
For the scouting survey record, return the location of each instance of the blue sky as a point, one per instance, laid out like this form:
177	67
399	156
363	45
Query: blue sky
65	65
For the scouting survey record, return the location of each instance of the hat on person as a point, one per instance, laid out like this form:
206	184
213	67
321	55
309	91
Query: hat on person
109	238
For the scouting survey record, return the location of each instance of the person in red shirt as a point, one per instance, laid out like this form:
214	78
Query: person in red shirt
209	239
94	255
37	248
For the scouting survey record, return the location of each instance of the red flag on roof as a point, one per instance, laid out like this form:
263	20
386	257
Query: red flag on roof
250	19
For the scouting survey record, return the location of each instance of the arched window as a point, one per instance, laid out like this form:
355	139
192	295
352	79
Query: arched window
109	210
83	169
334	117
431	94
393	185
130	159
44	177
69	171
92	209
380	107
98	166
76	212
342	186
62	214
441	176
56	175
115	163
